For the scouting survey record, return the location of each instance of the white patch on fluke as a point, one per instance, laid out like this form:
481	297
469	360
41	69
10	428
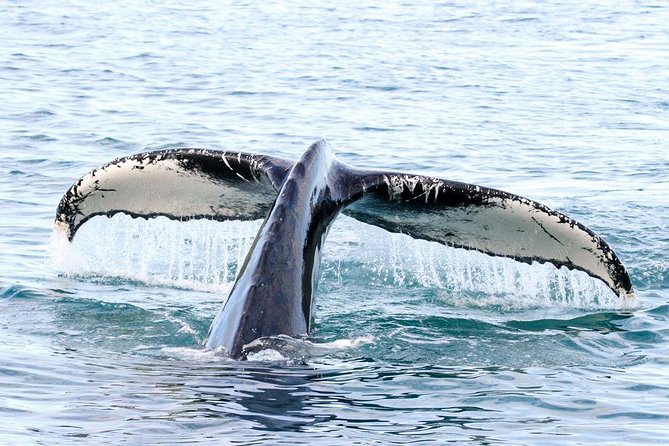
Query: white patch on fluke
170	183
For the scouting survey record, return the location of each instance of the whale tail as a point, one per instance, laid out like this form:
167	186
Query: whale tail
180	184
184	184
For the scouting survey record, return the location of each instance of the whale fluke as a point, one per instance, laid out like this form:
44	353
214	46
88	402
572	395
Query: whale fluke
299	200
180	184
490	221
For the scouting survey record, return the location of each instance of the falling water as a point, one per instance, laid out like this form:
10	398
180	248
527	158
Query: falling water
205	255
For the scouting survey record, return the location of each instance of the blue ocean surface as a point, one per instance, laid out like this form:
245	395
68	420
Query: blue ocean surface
564	102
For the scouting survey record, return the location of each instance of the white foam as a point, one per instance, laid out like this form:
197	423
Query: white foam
195	355
274	349
294	348
266	355
343	344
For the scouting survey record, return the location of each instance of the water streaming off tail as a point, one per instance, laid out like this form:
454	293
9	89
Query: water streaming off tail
202	255
357	251
206	255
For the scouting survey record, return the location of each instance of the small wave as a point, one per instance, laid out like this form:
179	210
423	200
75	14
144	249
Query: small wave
21	292
141	56
600	322
41	137
184	326
383	87
109	141
374	129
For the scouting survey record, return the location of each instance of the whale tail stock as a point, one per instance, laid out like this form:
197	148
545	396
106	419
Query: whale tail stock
186	184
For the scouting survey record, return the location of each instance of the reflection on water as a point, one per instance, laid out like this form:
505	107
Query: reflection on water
271	399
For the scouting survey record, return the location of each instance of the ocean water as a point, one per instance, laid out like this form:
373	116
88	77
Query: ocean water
564	102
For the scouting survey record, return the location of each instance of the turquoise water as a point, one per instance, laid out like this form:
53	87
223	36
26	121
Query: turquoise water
564	102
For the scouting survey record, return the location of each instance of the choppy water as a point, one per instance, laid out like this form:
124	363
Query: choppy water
564	102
